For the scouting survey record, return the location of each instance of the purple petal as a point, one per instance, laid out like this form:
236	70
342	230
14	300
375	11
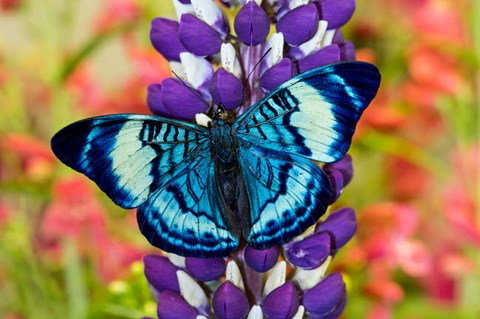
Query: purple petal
161	273
347	51
172	306
180	100
344	165
336	184
326	55
311	252
251	24
198	37
227	89
261	260
334	314
341	225
299	25
336	12
326	296
205	269
184	1
165	39
338	37
154	100
229	302
282	302
276	75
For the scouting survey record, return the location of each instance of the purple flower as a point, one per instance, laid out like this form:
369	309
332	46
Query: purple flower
326	297
205	269
251	24
215	67
164	37
299	25
282	302
226	89
341	225
171	305
198	37
161	273
230	302
311	252
261	260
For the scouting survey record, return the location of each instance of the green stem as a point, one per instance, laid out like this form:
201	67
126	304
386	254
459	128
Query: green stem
89	47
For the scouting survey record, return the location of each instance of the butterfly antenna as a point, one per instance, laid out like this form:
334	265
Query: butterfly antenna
254	67
190	88
251	72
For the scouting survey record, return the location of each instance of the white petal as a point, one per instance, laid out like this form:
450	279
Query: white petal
255	313
201	317
297	3
181	8
276	277
202	119
177	260
229	59
328	37
207	11
177	68
191	290
197	70
300	313
306	279
233	274
315	42
275	42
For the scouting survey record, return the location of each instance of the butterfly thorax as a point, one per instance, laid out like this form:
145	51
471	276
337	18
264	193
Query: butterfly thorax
222	143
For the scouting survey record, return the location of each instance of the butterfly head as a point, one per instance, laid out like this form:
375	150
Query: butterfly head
221	116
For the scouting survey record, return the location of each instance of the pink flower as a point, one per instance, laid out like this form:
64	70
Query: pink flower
118	12
74	213
434	69
35	159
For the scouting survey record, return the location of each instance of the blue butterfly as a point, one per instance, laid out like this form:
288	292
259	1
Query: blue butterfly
202	191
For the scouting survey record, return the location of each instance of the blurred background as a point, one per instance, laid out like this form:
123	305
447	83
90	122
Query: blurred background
66	251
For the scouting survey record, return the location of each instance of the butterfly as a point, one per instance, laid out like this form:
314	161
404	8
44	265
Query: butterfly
204	191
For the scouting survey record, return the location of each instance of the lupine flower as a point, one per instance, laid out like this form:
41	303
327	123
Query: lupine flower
216	65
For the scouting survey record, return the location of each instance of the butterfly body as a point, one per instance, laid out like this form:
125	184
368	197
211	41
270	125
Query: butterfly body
200	190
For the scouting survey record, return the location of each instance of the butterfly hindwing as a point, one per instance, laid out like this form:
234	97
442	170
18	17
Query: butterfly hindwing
186	215
314	114
286	194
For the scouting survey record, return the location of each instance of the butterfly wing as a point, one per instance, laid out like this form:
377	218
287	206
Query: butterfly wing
186	216
286	194
314	114
154	163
